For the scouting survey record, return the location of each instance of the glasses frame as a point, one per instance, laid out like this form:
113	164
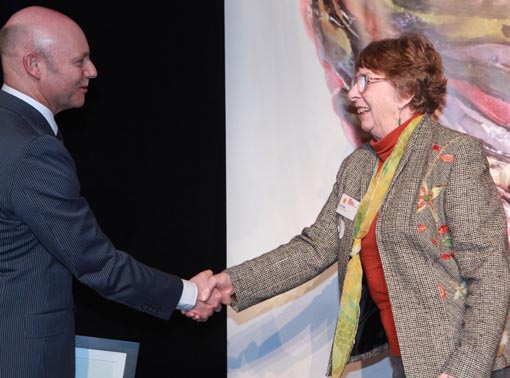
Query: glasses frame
364	80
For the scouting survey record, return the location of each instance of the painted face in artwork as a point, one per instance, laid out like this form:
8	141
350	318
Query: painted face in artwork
473	37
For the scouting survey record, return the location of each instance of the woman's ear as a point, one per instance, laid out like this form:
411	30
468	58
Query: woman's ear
403	101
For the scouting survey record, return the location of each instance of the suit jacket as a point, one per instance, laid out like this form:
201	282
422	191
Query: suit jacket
48	234
442	238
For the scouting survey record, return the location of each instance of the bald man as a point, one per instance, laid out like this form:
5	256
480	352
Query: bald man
48	234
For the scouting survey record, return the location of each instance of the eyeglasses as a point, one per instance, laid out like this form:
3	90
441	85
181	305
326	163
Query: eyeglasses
364	80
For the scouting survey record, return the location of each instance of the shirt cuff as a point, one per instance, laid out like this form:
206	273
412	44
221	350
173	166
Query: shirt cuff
188	297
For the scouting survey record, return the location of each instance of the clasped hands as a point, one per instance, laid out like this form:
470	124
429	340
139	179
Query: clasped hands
214	290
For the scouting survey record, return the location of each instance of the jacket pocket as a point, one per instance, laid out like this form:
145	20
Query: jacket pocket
48	324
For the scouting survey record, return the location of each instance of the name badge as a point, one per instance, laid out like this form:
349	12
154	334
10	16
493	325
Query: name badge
347	207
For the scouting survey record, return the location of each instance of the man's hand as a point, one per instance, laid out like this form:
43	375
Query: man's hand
213	291
208	298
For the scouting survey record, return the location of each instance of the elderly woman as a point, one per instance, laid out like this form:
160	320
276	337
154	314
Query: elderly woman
434	256
416	225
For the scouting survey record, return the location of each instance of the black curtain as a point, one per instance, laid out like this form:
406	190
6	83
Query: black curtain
149	146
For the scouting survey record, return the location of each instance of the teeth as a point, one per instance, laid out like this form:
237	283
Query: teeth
362	110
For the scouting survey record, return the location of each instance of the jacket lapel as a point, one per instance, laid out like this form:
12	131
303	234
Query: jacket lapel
26	111
415	145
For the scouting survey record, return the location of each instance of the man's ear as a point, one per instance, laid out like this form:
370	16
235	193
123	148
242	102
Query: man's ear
31	64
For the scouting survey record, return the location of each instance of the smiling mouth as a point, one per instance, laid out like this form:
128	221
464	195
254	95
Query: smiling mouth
362	110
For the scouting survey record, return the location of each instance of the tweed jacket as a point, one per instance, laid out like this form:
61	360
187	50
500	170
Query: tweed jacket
441	233
48	234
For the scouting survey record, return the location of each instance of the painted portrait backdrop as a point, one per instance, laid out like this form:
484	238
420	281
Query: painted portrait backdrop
473	38
288	68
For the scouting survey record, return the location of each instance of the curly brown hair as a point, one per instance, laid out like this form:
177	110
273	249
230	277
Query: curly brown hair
413	64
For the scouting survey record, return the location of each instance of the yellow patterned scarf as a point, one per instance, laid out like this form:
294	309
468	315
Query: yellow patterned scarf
347	323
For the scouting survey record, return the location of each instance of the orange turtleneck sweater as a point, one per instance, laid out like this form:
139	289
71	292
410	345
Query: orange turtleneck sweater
370	259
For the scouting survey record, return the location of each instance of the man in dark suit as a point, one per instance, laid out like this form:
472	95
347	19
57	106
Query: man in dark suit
48	234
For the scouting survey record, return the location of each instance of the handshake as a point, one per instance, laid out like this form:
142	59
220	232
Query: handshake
213	291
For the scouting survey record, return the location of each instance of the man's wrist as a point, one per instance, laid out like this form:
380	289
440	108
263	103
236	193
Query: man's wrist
189	296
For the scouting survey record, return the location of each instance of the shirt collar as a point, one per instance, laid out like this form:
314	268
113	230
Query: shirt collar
46	112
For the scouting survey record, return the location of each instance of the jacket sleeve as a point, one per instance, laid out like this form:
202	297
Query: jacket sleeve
477	224
45	195
304	257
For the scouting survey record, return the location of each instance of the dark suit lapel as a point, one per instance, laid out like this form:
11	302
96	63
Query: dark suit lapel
25	110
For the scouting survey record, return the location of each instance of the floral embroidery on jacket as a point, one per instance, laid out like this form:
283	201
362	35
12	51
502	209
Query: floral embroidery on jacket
426	198
442	291
440	236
